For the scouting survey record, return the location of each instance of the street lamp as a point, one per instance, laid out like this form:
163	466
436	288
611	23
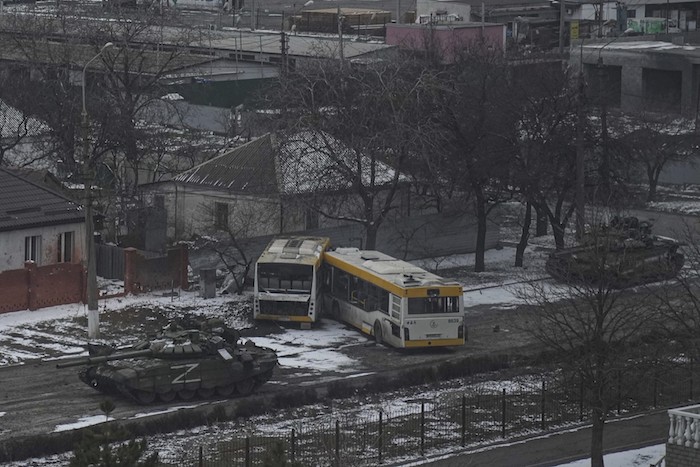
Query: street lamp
93	314
295	11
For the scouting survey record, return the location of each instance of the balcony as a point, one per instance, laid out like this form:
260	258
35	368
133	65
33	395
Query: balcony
683	446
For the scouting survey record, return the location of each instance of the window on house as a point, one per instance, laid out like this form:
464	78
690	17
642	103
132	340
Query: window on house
631	13
65	247
32	248
221	215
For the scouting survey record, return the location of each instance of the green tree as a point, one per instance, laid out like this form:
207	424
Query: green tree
102	450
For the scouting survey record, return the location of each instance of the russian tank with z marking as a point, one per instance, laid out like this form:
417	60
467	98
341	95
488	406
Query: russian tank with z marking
188	359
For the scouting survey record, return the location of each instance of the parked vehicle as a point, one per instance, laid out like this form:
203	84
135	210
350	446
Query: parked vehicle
287	286
398	303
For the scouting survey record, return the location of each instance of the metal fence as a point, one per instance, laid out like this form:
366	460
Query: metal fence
475	417
109	261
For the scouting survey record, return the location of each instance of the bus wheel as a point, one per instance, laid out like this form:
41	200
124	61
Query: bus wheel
378	334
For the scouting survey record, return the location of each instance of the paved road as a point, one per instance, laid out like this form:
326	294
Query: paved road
559	448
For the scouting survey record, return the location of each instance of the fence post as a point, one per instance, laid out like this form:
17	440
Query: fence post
201	457
691	378
503	414
422	428
580	400
464	420
542	419
337	443
379	443
31	268
293	447
619	391
247	451
129	270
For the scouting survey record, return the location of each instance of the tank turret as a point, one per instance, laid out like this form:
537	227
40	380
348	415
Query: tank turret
203	360
623	253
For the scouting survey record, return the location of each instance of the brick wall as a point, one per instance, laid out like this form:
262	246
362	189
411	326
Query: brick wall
15	293
56	284
40	286
682	456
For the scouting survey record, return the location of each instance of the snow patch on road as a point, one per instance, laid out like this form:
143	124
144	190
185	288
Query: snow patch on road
88	420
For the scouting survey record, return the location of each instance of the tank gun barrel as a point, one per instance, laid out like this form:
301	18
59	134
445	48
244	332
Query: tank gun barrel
105	358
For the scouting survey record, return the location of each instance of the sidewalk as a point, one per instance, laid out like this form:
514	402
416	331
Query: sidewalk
552	449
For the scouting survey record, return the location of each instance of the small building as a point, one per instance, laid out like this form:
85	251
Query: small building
355	20
259	188
37	224
636	73
445	39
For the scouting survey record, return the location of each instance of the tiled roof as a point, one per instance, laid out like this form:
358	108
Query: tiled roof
24	204
249	168
304	162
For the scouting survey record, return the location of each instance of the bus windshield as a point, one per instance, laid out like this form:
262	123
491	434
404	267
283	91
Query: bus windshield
433	305
285	277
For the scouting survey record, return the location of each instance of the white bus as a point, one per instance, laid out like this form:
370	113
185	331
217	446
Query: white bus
287	286
398	303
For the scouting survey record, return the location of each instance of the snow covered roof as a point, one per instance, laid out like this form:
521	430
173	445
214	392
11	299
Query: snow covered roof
14	123
312	161
303	162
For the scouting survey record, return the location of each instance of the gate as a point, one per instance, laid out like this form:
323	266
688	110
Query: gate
109	261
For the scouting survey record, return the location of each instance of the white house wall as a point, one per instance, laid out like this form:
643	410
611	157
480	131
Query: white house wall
431	7
12	245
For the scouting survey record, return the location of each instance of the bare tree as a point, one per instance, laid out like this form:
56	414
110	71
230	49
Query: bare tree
470	130
234	224
595	329
654	141
544	163
358	125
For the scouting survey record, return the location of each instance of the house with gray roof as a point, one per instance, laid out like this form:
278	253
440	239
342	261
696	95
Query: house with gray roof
37	224
260	188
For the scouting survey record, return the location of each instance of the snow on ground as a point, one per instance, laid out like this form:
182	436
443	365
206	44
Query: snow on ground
317	349
634	458
83	422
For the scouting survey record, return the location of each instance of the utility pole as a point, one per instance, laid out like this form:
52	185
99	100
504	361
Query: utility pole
284	46
88	175
602	102
562	11
580	181
340	39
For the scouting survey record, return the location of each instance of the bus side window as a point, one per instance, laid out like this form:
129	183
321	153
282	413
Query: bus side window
378	300
395	306
340	284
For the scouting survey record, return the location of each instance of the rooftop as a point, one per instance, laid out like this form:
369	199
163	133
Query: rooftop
25	204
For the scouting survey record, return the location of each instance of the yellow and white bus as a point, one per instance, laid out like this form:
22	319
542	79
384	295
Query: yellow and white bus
398	303
287	286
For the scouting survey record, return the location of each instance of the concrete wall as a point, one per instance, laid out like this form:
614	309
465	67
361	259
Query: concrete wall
190	211
12	245
641	65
